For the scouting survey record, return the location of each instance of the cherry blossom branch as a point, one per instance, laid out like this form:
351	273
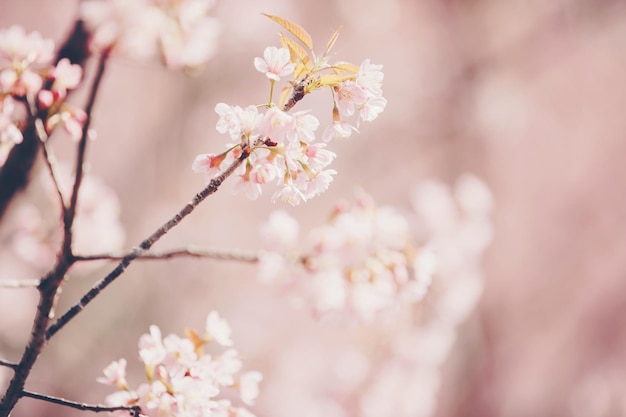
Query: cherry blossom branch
68	215
8	364
49	285
16	169
193	252
211	188
49	157
21	283
135	409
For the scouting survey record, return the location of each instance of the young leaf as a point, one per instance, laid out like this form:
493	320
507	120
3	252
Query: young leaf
294	29
333	79
345	67
332	40
298	54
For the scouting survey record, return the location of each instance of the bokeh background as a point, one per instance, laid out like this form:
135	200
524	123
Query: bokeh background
529	95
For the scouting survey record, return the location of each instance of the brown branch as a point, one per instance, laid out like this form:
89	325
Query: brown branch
225	255
68	215
49	157
8	364
133	409
49	285
20	283
213	186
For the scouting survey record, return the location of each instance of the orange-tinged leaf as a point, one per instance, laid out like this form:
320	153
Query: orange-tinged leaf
346	67
294	29
298	53
332	40
333	79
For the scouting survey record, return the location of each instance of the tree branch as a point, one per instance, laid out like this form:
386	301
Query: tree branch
68	215
134	409
49	284
20	283
193	252
49	157
213	186
8	364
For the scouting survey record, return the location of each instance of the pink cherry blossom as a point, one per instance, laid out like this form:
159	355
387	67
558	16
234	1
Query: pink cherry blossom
21	57
218	329
249	386
275	63
182	380
362	262
180	32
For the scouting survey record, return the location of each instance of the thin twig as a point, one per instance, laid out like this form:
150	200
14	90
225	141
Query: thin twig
134	409
68	215
8	364
49	157
20	283
146	244
225	255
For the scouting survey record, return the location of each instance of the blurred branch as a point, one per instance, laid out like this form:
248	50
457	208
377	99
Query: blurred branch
146	244
134	409
8	364
49	157
193	252
68	215
20	283
14	174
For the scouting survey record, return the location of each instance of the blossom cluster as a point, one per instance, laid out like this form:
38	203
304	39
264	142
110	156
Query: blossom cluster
27	72
362	262
182	379
282	146
404	356
180	32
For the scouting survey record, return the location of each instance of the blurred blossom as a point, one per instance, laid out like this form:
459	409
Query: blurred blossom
180	32
401	374
22	57
362	262
10	120
182	380
97	227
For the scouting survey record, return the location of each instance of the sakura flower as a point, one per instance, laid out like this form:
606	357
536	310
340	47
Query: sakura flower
66	76
363	262
115	374
338	130
181	379
10	134
181	32
207	164
21	57
249	386
218	329
275	63
289	193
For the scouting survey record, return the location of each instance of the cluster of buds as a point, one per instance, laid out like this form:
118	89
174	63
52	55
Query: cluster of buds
27	72
362	262
181	33
281	146
183	380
